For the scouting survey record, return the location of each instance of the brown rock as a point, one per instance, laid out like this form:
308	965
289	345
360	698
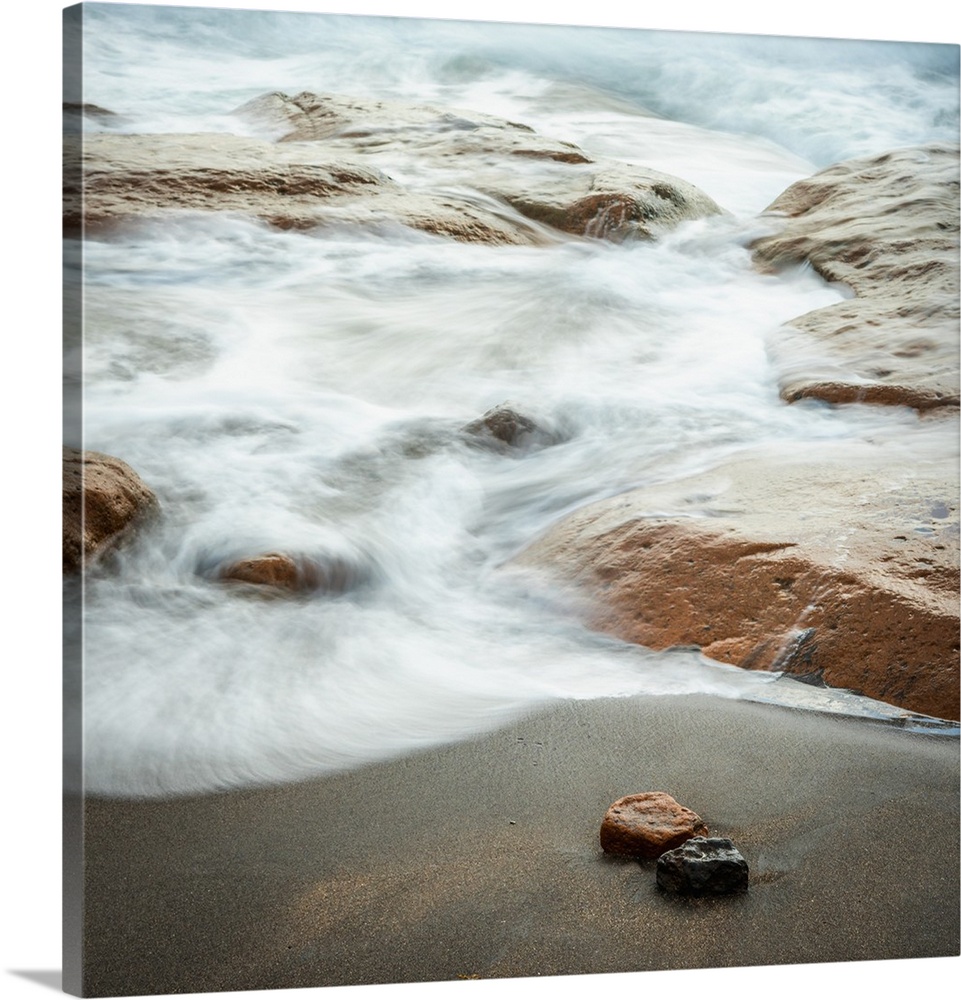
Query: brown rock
271	570
287	186
298	575
332	164
843	570
887	228
648	824
102	498
609	201
503	426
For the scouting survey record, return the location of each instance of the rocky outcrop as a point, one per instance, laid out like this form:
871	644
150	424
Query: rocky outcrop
102	499
703	866
546	180
886	227
331	160
648	824
287	186
839	567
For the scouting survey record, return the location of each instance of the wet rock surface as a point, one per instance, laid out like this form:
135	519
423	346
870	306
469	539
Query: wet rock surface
647	824
504	427
328	160
860	593
296	574
290	187
546	180
102	499
886	227
703	866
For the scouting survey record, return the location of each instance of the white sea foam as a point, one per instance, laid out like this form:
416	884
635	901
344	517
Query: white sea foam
302	392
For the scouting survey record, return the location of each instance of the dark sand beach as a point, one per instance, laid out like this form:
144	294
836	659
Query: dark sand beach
481	859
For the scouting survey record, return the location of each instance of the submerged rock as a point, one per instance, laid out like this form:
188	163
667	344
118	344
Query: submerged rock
297	575
861	591
704	866
503	426
102	499
647	824
331	160
886	227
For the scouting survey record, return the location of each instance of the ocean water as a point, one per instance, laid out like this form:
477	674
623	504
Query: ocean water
303	391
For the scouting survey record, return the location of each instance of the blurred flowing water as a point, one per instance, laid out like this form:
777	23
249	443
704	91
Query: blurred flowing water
303	392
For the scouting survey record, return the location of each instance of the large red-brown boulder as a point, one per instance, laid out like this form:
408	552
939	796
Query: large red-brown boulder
839	565
102	498
648	824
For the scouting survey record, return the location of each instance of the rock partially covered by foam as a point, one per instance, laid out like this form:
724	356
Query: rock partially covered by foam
295	574
505	427
887	228
333	160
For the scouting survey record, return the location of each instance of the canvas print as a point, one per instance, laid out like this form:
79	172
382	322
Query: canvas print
510	481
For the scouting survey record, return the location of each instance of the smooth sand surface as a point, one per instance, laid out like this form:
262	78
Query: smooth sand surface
482	859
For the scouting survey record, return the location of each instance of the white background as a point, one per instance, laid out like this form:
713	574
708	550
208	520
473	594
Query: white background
29	567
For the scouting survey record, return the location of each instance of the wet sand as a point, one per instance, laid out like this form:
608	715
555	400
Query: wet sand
481	860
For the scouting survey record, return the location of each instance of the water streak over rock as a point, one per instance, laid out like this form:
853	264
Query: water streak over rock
295	574
337	160
887	228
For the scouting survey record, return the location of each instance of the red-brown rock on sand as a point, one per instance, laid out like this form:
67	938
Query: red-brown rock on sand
648	824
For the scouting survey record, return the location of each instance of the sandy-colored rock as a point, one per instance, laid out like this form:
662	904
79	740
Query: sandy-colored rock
559	185
841	567
327	160
102	499
886	227
648	824
287	186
